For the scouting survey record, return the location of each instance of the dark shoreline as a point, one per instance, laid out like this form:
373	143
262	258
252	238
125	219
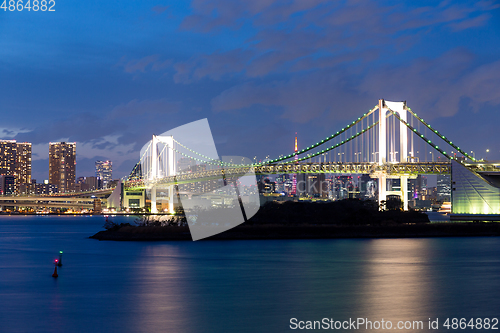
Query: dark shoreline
262	232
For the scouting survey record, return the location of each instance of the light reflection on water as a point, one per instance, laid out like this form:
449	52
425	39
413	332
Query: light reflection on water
244	286
398	281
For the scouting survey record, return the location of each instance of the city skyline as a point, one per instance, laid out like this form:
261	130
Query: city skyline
258	72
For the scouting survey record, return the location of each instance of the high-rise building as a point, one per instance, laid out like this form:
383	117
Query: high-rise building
444	187
62	165
15	160
8	153
185	164
7	185
23	163
104	172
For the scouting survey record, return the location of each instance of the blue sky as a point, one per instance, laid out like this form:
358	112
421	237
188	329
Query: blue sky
109	74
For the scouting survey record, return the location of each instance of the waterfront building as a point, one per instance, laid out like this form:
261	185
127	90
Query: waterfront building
185	164
23	163
92	183
444	187
87	184
15	160
8	153
104	172
312	185
45	189
62	165
7	185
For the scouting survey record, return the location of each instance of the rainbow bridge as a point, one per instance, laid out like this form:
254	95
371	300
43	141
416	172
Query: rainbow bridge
390	141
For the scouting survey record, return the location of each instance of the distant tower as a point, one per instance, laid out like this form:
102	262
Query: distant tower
62	165
294	180
104	172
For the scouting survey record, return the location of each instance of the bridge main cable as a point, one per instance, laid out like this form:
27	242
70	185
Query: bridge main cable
317	144
441	136
429	142
333	136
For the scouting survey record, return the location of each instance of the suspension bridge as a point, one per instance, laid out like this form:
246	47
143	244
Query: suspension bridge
390	141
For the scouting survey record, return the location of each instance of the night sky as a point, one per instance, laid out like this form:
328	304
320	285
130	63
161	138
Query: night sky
109	74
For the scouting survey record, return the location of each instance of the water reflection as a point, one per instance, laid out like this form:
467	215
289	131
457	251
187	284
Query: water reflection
398	281
159	292
233	286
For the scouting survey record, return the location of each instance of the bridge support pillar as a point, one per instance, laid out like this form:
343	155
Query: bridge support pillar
171	193
154	209
404	192
382	188
382	134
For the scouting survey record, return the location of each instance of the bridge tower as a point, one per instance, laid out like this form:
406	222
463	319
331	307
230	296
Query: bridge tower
162	165
401	109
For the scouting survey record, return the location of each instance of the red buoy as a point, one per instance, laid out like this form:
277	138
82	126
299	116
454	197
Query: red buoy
55	269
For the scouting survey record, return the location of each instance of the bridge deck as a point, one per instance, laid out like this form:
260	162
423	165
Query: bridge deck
392	169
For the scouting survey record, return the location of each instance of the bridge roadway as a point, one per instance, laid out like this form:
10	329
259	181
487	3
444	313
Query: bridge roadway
63	200
391	169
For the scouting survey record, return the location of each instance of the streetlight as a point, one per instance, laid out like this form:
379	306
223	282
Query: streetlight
432	155
487	151
473	154
340	157
375	156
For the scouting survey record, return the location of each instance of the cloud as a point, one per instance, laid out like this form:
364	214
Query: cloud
293	35
215	66
300	99
151	62
116	135
159	9
435	87
11	132
478	21
438	86
145	108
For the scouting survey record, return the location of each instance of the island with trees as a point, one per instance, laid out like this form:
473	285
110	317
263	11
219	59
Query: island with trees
350	218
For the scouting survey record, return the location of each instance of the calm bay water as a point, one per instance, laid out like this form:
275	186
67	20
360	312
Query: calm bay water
233	286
